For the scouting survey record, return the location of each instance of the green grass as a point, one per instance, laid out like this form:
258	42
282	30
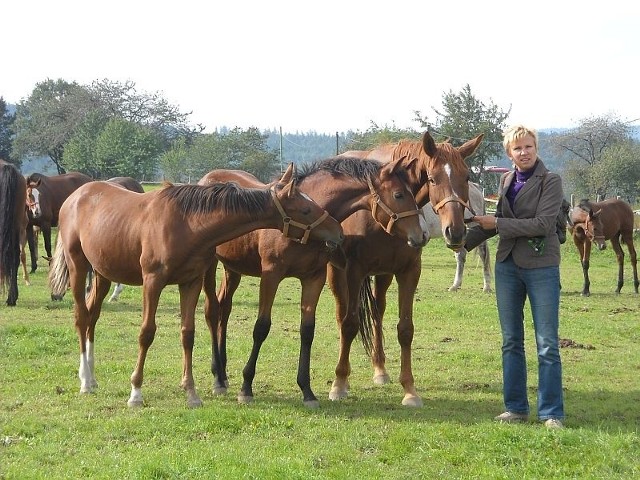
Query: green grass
49	430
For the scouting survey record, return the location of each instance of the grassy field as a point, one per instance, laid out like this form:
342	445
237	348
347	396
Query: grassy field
49	430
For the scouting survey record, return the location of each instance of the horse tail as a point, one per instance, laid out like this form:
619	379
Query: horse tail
58	272
9	234
367	315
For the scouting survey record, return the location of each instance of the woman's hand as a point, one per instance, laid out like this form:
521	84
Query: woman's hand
487	222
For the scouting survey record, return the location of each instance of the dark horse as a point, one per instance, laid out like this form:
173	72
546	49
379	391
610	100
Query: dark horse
45	196
596	222
160	238
341	186
440	175
13	224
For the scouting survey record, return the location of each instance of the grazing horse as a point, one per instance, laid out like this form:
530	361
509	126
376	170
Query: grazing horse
160	238
13	225
45	196
341	186
439	175
476	202
597	222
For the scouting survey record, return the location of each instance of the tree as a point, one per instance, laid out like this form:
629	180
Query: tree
48	118
462	117
6	131
80	151
586	147
618	171
127	149
376	135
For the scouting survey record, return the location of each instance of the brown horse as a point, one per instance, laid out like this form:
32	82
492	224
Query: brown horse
597	222
45	196
440	176
341	186
13	224
160	238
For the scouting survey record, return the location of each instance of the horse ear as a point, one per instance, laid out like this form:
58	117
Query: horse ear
404	161
288	174
429	144
595	214
470	146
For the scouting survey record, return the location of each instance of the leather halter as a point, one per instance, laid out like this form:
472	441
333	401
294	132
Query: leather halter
393	217
452	198
289	221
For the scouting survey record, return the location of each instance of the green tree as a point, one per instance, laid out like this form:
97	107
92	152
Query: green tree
175	163
48	118
126	149
618	171
585	146
6	131
462	117
377	135
80	151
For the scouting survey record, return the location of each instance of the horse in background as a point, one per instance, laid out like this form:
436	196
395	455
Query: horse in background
160	238
45	196
477	204
13	225
597	222
437	172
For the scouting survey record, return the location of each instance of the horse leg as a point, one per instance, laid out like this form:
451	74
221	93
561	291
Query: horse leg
23	257
461	258
116	292
32	241
151	289
628	239
46	234
189	293
212	314
269	283
346	291
615	244
483	251
94	306
378	358
228	287
311	290
78	268
407	285
585	253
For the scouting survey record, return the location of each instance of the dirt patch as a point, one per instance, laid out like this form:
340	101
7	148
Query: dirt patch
568	343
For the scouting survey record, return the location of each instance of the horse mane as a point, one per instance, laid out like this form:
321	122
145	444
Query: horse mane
353	167
445	152
585	205
228	196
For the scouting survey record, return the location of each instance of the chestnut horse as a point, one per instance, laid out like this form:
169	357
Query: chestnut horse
476	202
160	238
440	176
341	186
45	196
13	225
597	222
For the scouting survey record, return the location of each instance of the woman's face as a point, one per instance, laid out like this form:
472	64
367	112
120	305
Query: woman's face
523	153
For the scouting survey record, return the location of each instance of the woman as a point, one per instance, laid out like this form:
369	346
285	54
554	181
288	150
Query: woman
527	266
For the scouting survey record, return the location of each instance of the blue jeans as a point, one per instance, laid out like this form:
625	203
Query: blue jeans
542	286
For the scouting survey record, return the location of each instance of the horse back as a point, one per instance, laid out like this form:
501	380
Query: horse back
242	178
128	183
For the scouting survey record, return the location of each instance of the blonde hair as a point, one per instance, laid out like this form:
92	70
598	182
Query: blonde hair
516	132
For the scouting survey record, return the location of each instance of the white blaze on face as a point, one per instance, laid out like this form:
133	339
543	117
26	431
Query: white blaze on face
35	208
447	169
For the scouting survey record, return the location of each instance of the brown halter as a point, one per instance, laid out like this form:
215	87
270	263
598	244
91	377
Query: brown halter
452	198
393	217
289	221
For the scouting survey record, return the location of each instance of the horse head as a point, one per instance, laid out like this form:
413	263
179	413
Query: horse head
594	229
33	198
447	180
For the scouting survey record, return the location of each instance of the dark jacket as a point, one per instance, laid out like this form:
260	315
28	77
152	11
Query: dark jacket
534	215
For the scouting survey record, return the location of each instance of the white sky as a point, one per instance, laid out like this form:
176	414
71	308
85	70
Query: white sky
336	65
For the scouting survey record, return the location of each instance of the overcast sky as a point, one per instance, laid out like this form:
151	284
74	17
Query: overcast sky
336	65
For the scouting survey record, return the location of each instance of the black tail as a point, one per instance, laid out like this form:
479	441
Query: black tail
9	231
367	314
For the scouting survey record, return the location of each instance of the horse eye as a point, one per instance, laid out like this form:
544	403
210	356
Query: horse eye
398	195
306	211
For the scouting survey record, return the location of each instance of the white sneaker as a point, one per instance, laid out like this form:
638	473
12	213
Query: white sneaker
511	417
553	423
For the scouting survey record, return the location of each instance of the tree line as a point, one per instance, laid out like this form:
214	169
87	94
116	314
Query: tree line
109	129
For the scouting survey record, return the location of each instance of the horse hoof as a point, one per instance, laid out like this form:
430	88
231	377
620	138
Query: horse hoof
194	403
336	394
135	403
381	379
311	404
454	288
245	399
219	390
412	401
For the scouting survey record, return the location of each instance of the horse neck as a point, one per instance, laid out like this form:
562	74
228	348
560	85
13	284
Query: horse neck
340	196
